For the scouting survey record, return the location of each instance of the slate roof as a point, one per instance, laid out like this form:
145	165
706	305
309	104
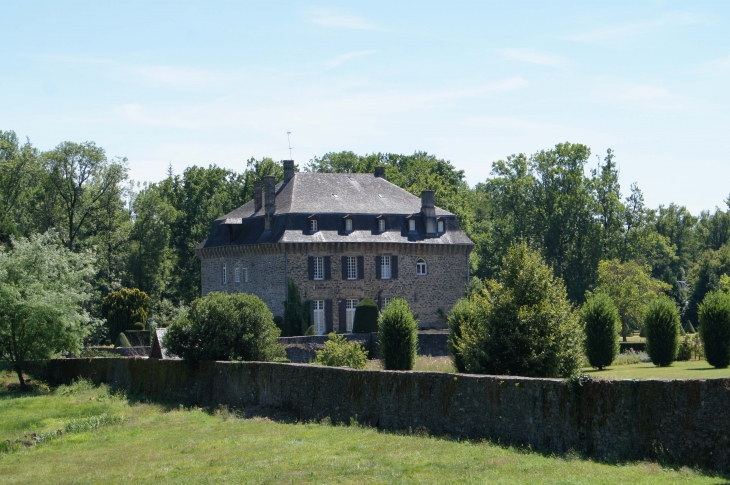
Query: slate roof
330	197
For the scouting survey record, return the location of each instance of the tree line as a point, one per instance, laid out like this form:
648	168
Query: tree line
557	201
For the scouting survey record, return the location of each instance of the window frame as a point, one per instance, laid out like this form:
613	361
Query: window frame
411	225
381	225
318	262
319	313
441	226
237	274
225	273
421	267
313	225
384	302
386	263
352	268
348	224
350	307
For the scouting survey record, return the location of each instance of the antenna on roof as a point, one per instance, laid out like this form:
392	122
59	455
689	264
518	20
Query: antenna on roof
289	141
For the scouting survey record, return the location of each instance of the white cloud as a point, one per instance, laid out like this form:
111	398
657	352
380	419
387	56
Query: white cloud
531	56
341	59
332	18
637	28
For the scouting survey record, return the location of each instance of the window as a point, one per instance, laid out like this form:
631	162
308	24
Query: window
385	302
385	267
421	268
381	225
319	323
348	225
350	307
412	225
245	275
225	275
319	267
312	225
440	227
352	267
237	274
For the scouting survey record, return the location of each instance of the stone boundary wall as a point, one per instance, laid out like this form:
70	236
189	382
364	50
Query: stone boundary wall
683	421
301	350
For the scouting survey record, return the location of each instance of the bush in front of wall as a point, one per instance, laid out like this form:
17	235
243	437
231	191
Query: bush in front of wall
310	331
338	352
123	308
398	337
714	319
601	326
366	317
661	323
283	326
122	341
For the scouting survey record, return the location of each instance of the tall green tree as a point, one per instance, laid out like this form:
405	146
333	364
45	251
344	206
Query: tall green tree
43	288
19	172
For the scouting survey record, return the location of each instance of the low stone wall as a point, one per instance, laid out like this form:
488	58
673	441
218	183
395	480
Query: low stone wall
301	350
682	421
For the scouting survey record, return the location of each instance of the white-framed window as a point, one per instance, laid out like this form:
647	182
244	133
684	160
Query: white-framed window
385	302
412	225
348	225
319	323
225	274
319	267
421	268
350	306
352	267
237	274
385	267
381	225
312	225
440	226
245	275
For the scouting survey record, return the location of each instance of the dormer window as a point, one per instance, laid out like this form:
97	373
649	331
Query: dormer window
440	226
313	224
381	225
411	225
348	223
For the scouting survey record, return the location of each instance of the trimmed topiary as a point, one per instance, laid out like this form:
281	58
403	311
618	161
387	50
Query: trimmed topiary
338	352
398	337
366	317
226	326
465	316
123	308
661	324
122	341
714	319
601	326
688	328
139	326
310	331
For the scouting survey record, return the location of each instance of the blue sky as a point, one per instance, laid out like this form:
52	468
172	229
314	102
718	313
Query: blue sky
472	82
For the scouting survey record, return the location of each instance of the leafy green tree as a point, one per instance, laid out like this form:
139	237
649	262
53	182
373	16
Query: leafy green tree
714	315
530	328
42	290
661	326
464	319
397	336
296	311
338	352
631	288
123	308
19	172
226	326
366	317
705	277
601	325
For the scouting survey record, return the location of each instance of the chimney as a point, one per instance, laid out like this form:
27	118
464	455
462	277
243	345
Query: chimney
380	172
428	212
288	170
269	200
257	196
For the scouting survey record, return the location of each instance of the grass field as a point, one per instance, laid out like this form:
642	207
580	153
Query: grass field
691	369
168	444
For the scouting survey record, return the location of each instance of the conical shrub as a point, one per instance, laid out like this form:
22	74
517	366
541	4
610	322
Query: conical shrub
661	324
398	337
122	341
601	326
366	317
714	318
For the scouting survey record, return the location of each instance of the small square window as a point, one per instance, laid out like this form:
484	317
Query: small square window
381	225
412	225
421	268
348	225
313	225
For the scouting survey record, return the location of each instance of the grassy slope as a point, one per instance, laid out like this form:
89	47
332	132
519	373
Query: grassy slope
156	445
691	369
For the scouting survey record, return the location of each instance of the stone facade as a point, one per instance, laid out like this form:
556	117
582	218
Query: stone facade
430	296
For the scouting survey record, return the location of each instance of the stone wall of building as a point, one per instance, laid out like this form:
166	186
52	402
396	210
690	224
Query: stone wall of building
681	421
430	296
265	267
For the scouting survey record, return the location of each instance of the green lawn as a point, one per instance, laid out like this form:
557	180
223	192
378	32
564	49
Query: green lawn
157	444
691	369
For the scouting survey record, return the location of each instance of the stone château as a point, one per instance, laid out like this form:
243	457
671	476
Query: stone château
340	238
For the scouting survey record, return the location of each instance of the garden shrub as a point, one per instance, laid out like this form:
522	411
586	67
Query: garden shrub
226	326
398	337
296	311
139	326
283	326
310	331
122	341
466	314
366	317
688	328
529	327
714	320
601	326
123	308
338	352
661	323
685	349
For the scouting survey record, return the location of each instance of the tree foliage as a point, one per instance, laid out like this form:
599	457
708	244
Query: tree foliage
43	288
714	318
601	325
296	311
397	336
124	308
338	352
224	326
366	317
661	326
